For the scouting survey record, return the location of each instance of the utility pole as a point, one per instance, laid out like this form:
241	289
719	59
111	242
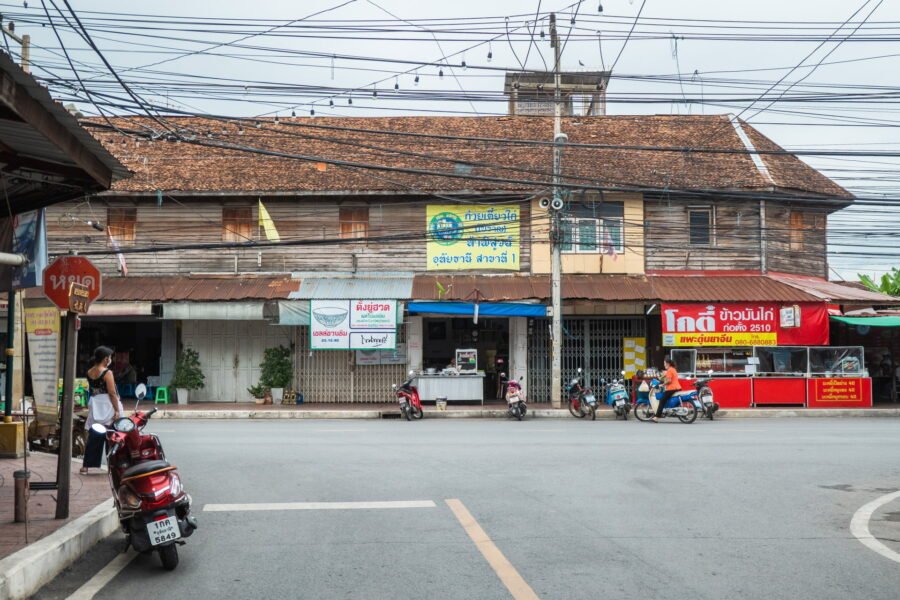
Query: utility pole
559	138
24	40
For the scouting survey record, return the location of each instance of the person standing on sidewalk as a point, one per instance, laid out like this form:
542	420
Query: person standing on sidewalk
105	406
670	379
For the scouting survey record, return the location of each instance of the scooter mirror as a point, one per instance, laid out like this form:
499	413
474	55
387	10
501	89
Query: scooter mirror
140	392
580	370
623	373
99	428
393	386
502	375
411	373
521	377
710	372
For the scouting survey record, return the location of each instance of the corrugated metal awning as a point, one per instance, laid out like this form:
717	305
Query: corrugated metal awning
831	291
214	311
368	286
181	288
120	309
725	288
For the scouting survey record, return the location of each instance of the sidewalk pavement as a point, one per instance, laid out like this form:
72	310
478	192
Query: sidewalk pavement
51	544
231	410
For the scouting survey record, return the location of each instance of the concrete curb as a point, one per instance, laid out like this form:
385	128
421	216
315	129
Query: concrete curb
499	413
22	574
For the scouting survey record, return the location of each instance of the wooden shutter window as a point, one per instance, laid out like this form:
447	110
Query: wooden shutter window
797	231
237	224
122	224
354	222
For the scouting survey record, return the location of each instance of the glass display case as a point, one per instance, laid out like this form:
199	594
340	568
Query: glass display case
721	361
837	361
782	360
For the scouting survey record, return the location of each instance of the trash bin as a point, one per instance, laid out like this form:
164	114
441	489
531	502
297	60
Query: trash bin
441	403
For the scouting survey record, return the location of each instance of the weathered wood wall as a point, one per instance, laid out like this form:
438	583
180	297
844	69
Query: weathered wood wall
803	253
199	221
736	243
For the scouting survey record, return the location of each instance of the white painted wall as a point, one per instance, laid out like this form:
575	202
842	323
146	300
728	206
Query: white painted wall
414	342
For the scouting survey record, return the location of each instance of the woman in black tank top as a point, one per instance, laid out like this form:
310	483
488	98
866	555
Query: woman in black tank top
104	408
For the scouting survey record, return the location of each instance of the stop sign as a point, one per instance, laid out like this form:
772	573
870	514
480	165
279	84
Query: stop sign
67	270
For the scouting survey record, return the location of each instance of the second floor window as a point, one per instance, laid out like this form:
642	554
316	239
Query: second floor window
354	222
122	223
237	224
701	225
590	236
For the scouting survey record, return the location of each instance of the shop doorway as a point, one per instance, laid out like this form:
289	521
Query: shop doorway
137	347
443	336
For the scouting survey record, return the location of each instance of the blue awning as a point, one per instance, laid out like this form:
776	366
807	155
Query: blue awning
485	309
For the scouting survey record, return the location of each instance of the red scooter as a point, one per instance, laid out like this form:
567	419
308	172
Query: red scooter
408	396
154	510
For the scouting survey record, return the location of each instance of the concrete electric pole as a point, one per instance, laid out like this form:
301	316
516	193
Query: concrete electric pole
24	40
559	138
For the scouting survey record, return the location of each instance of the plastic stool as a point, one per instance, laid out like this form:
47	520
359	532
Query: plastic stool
162	395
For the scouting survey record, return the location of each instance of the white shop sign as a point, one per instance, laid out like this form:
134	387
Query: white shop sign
353	324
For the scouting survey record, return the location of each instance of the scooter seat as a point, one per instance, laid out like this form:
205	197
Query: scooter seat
145	467
682	393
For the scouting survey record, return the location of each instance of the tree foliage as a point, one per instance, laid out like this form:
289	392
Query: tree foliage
888	284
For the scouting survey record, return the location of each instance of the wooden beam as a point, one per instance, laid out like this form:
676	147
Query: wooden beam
17	98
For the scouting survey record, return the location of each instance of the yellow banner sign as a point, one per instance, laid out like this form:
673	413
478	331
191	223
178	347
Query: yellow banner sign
479	236
42	329
720	339
634	355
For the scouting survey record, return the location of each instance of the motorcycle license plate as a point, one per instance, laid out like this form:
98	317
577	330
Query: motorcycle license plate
513	399
164	530
590	399
620	402
707	399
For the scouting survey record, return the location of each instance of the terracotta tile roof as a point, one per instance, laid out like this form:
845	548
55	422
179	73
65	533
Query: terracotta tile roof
185	167
197	289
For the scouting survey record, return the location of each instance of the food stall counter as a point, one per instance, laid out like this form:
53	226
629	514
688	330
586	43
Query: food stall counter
729	392
462	387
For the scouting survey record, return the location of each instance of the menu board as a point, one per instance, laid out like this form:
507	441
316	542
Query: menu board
467	360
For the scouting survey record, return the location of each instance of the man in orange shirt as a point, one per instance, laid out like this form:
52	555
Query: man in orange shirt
670	379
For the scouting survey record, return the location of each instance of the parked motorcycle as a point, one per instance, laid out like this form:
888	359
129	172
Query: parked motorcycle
616	396
708	406
154	510
515	398
408	397
681	405
582	401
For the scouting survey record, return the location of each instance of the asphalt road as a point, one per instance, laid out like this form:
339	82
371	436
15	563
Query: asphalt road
750	508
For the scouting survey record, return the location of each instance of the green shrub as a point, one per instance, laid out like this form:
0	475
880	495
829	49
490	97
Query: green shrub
276	369
188	374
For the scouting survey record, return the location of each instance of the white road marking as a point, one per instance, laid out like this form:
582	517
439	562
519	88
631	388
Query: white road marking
338	430
859	526
104	576
507	573
318	506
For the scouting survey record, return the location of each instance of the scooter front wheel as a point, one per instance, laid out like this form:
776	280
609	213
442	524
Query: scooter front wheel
406	414
575	411
690	412
168	556
643	412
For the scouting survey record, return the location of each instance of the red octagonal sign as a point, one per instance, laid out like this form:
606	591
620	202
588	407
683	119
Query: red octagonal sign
67	270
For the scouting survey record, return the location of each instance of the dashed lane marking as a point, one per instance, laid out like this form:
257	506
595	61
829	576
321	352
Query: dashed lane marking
317	506
96	583
507	573
859	526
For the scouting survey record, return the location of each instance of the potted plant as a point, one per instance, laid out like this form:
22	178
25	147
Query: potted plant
188	374
258	392
276	371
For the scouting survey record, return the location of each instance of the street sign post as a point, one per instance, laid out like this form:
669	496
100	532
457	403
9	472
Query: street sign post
71	283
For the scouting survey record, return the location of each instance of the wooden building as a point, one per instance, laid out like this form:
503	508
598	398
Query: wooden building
647	197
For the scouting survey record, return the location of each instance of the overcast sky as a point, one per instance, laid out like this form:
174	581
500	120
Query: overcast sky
645	57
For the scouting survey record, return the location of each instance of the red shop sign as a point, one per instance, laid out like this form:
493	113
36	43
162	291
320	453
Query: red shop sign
745	324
